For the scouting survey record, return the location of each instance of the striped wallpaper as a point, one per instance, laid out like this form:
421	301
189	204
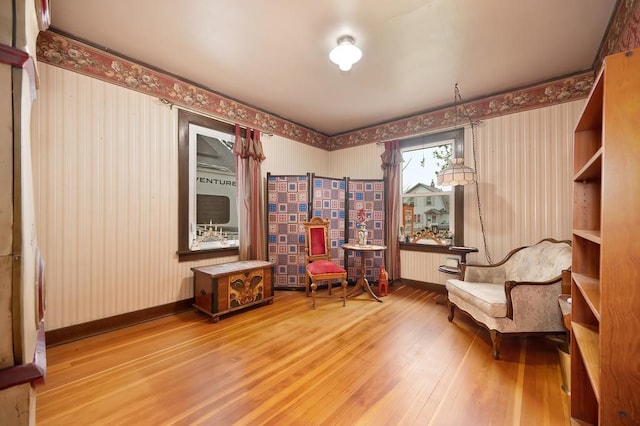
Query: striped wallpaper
105	178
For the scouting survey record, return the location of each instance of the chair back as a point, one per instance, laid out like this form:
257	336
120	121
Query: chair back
317	239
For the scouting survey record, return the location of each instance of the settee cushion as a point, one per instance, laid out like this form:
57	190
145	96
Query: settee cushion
487	297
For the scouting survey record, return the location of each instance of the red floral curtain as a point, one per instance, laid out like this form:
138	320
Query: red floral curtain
392	169
251	226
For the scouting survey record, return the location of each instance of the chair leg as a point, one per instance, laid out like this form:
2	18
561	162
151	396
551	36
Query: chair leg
344	292
329	285
452	308
496	339
313	294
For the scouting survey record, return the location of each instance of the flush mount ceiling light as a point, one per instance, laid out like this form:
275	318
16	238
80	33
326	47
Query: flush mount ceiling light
346	53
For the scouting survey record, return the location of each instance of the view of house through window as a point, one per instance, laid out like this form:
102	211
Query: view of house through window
213	215
428	206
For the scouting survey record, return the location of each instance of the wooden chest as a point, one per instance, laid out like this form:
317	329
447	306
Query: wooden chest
227	287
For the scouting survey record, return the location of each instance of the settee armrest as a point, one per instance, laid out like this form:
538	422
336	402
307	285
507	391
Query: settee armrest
540	286
495	274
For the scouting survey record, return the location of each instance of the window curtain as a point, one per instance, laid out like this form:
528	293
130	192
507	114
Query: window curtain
251	228
392	169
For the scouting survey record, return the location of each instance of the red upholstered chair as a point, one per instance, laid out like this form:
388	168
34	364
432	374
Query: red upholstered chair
318	259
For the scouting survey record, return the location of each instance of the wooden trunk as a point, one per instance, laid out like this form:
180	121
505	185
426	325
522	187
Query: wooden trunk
227	287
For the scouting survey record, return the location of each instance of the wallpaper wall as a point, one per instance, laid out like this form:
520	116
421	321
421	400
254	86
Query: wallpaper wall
105	184
524	164
105	179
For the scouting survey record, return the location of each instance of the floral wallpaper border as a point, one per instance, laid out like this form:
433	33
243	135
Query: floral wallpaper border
623	33
64	52
542	95
67	53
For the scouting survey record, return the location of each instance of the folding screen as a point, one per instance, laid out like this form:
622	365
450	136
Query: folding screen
367	195
287	208
294	199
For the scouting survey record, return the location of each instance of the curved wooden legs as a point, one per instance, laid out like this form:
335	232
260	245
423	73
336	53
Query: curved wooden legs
314	286
496	336
496	339
452	308
344	292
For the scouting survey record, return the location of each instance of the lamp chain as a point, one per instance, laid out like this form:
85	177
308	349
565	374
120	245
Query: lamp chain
475	167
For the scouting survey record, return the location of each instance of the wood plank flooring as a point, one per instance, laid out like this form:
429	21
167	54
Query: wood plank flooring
394	363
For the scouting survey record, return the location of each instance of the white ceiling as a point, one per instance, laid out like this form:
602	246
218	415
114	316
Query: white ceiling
273	54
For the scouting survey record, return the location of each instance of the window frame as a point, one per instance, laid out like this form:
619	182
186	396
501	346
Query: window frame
457	135
185	119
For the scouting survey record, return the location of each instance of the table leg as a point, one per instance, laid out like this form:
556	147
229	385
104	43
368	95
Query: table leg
367	287
363	284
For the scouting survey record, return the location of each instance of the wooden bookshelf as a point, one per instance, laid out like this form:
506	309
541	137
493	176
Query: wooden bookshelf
592	170
588	234
605	284
590	289
588	337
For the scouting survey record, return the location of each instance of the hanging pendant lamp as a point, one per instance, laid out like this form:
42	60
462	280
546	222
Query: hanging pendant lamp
456	173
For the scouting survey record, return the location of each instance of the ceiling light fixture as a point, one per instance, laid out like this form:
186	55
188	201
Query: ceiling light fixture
346	53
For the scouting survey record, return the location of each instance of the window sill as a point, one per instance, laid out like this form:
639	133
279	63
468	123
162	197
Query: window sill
461	251
428	248
189	255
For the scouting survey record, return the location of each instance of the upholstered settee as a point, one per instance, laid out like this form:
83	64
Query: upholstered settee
518	295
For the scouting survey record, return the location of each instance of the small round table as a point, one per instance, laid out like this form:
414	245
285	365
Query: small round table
363	284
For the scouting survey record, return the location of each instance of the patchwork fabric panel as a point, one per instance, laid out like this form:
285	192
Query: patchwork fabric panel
338	200
328	201
288	201
367	195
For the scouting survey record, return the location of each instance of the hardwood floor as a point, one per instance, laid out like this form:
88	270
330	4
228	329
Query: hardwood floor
369	363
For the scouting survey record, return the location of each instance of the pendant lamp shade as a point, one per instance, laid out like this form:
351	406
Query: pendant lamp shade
456	174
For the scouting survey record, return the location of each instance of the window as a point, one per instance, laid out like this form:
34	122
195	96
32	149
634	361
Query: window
207	209
437	210
213	219
212	209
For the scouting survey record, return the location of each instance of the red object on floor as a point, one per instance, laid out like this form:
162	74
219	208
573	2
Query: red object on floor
383	282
